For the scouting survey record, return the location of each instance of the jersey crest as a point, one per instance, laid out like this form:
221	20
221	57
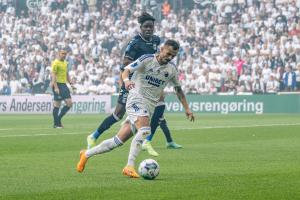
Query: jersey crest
166	74
155	47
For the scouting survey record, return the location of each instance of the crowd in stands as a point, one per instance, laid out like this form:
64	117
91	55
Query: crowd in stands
238	47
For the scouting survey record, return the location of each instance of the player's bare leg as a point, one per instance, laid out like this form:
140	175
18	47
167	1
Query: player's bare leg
116	116
158	120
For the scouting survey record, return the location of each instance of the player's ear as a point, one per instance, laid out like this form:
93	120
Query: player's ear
161	48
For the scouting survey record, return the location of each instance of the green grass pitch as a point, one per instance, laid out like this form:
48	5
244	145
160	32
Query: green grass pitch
224	157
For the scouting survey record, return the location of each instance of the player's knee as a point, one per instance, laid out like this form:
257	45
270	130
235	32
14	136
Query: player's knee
56	104
145	131
162	120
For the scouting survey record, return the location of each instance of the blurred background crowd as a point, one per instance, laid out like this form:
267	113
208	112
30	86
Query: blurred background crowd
237	46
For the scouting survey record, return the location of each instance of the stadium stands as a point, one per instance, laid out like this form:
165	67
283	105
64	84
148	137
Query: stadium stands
243	47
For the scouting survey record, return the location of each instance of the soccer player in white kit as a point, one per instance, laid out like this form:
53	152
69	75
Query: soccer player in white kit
151	74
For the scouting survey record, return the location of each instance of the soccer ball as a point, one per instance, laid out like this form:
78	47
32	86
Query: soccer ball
149	169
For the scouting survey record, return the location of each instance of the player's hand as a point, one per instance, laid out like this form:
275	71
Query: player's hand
129	85
72	86
56	90
189	114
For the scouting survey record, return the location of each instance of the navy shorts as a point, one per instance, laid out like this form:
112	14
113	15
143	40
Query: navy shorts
64	92
123	94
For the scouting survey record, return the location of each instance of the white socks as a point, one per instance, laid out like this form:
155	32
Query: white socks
110	144
136	144
105	146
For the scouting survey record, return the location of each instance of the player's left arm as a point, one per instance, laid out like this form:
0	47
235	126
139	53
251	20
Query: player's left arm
180	94
70	81
68	77
181	97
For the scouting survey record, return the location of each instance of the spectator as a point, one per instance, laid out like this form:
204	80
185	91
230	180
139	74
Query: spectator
37	84
212	88
166	8
272	85
239	65
257	86
6	90
289	79
298	77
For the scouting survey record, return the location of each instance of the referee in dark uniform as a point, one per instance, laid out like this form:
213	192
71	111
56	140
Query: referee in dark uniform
60	89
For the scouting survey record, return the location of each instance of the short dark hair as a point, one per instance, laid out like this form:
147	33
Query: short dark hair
145	17
63	49
173	44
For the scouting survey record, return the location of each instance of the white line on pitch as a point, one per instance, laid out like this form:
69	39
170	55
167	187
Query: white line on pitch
178	127
173	129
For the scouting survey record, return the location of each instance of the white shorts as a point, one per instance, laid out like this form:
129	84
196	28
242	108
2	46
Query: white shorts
135	110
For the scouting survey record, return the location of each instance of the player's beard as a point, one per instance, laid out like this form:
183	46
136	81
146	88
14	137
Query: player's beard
166	61
161	60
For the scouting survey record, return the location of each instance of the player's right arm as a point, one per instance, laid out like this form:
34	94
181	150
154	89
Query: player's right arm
139	64
126	61
54	77
125	77
128	70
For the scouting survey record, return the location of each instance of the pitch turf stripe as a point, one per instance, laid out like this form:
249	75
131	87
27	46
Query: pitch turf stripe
42	134
173	129
12	129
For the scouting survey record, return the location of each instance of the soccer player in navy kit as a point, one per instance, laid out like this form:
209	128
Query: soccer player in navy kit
143	43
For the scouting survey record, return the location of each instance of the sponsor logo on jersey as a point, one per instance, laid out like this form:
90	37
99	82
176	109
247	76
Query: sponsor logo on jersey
154	81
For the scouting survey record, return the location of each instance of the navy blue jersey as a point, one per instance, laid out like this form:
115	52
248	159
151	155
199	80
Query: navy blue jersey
138	46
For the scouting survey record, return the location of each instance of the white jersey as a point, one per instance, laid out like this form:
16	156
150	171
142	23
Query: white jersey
150	79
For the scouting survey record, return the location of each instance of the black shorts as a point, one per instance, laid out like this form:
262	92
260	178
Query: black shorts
64	92
123	94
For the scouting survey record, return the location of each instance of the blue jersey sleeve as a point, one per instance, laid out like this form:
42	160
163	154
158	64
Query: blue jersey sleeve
131	50
157	40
